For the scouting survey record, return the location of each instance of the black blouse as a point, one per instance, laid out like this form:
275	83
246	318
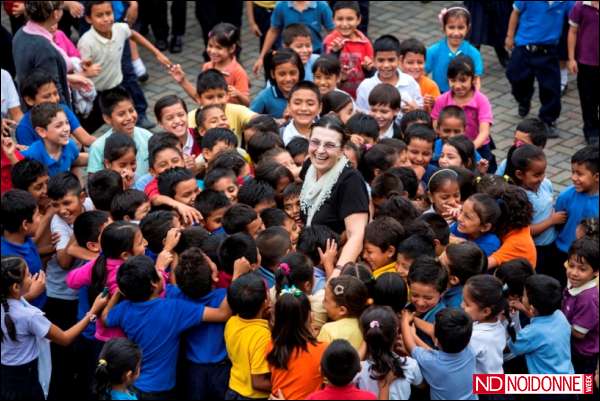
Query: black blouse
348	196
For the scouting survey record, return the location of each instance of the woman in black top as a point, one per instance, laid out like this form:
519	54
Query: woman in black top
334	194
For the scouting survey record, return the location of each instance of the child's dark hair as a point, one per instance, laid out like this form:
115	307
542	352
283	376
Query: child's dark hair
410	182
193	274
291	331
517	211
276	58
246	295
340	363
327	64
452	111
492	184
416	245
273	243
216	174
314	237
159	142
347	5
461	65
63	184
363	124
384	232
118	356
586	250
350	292
262	122
103	186
379	326
168	180
465	260
453	329
42	114
210	200
297	146
412	45
587	156
536	130
293	190
17	206
521	160
386	185
229	159
167	101
88	225
487	209
465	148
29	85
544	293
117	238
293	31
386	43
215	135
420	131
439	179
271	172
379	157
13	272
273	217
202	114
513	274
415	117
309	86
390	289
466	181
427	270
111	98
456	11
335	101
226	35
192	237
126	203
89	6
486	291
155	226
210	79
398	208
385	95
234	247
117	145
295	269
438	225
237	217
261	143
135	278
26	172
362	272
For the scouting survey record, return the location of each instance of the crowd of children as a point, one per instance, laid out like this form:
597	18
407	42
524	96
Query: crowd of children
181	263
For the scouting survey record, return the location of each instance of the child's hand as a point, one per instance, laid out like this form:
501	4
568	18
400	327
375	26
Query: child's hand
189	214
38	284
233	92
255	30
127	176
387	380
79	82
482	166
190	163
90	69
509	43
76	9
559	218
8	126
164	260
517	305
177	72
241	266
399	347
451	213
258	64
55	238
419	171
164	60
456	240
8	145
409	106
368	63
408	317
572	66
357	139
279	396
428	102
329	256
99	303
172	239
338	44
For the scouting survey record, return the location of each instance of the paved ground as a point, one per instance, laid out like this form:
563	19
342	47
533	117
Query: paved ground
403	19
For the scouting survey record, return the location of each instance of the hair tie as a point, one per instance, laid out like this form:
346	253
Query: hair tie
445	11
506	178
285	269
293	290
373	324
102	362
478	180
338	289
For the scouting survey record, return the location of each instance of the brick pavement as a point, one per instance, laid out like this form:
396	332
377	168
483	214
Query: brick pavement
403	19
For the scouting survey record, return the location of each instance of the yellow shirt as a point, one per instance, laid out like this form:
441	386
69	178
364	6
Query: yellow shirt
346	329
391	268
246	342
237	116
265	4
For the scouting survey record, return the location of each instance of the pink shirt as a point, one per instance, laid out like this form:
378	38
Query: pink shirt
478	110
65	43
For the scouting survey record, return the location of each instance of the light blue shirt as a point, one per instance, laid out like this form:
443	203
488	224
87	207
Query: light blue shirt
439	56
68	155
143	181
308	74
269	101
540	23
140	137
546	344
543	206
579	206
501	170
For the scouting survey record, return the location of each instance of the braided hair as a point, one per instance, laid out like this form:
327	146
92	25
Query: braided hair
13	272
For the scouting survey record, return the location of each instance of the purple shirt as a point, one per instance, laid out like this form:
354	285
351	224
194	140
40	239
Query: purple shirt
580	306
477	111
585	17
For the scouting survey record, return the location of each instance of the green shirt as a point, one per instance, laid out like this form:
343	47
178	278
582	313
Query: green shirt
140	137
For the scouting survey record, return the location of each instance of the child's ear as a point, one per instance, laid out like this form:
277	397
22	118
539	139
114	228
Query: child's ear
107	119
124	255
41	131
391	251
29	101
343	310
306	287
106	164
453	281
519	174
15	290
376	172
93	246
82	197
486	227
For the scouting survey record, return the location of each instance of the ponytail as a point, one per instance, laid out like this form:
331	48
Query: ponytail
118	356
13	272
295	269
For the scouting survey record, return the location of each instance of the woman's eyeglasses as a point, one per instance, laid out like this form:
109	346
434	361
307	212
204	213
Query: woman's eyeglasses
315	143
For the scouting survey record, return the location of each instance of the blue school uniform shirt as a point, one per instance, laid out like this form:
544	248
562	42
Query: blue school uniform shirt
320	279
488	242
156	326
25	133
121	395
544	353
540	23
267	275
543	206
453	297
318	14
83	306
205	343
579	206
29	252
439	56
270	101
308	74
69	154
437	151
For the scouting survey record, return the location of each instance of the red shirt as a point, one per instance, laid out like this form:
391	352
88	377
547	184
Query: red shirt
5	168
349	392
151	189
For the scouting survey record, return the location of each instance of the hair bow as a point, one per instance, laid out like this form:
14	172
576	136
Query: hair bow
338	289
293	290
102	362
373	324
285	269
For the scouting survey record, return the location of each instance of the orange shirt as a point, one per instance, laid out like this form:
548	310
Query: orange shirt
235	75
517	244
429	87
302	376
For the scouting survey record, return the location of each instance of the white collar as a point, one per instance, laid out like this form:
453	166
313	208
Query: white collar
389	133
189	144
402	79
578	290
102	39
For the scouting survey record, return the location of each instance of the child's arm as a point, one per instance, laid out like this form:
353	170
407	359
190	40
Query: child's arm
111	304
424	326
251	21
262	382
83	136
63	258
38	285
142	41
189	214
572	44
79	252
217	315
81	161
484	134
555	219
509	42
270	38
576	334
179	76
407	335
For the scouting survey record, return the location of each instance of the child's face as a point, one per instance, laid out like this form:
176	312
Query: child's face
291	206
216	96
403	263
450	157
255	227
125	166
461	86
456	30
186	191
334	311
413	64
446	197
293	230
403	160
584	179
215	118
142	211
229	187
102	18
32	227
139	244
286	75
26	283
522	138
173	119
58	130
532	178
387	64
166	159
420	152
220	146
212	222
346	22
303	46
123	117
469	222
471	308
377	257
69	207
352	156
450	127
218	54
45	93
579	271
325	82
265	204
384	115
346	112
299	159
423	297
304	107
39	188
